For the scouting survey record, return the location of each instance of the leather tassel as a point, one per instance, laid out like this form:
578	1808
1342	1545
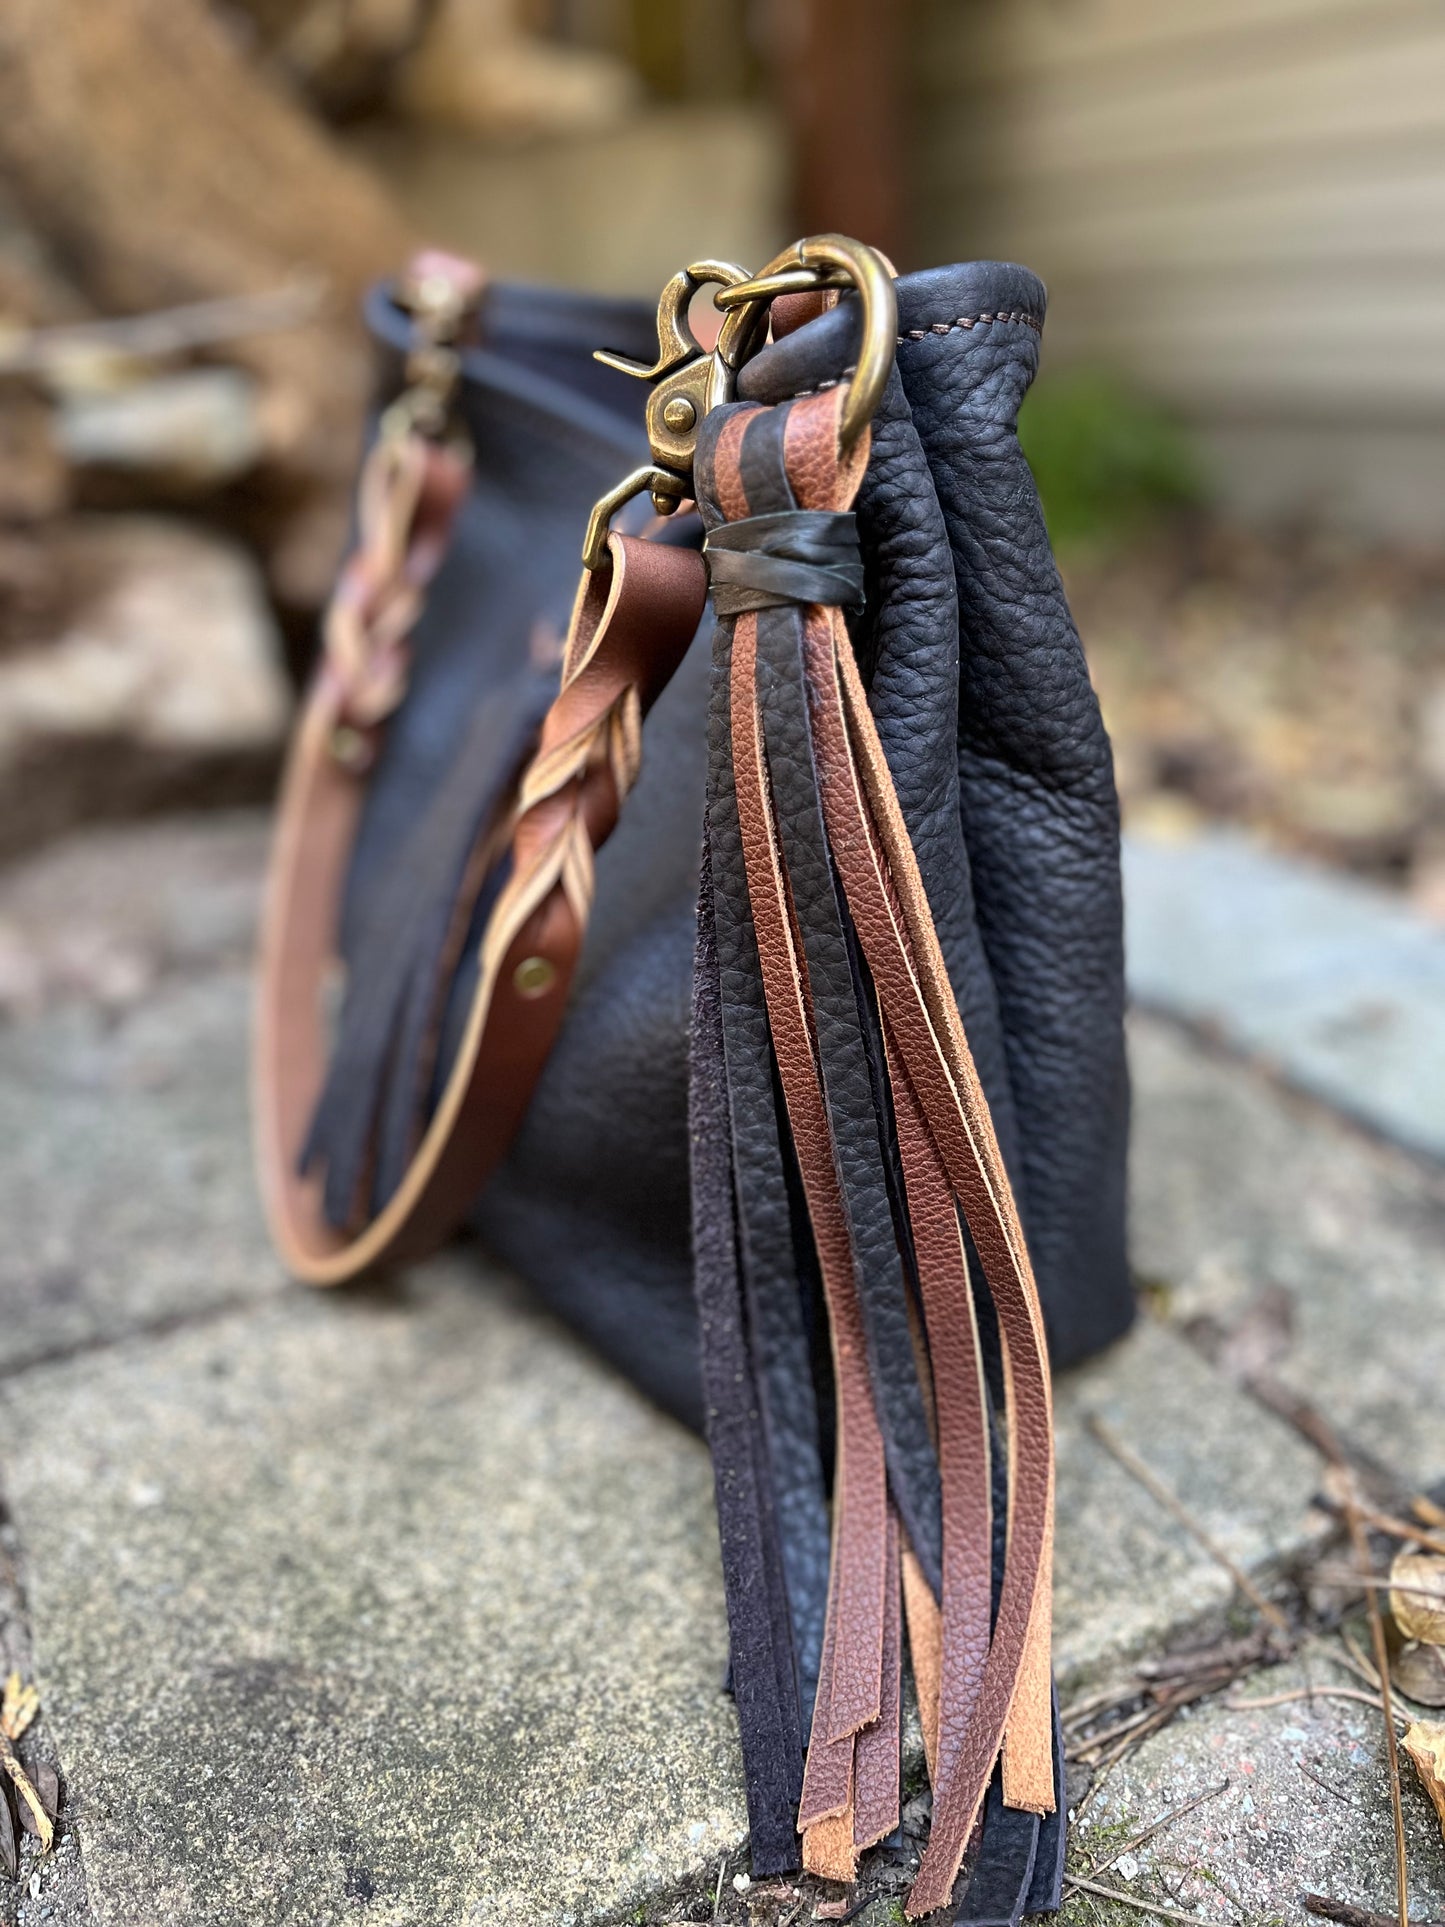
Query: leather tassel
404	960
896	1154
763	1667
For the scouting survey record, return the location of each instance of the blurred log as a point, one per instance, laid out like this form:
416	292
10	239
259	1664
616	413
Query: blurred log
165	169
344	53
475	65
477	69
172	438
140	670
34	476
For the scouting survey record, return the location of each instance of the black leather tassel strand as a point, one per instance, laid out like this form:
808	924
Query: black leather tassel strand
780	1344
763	1667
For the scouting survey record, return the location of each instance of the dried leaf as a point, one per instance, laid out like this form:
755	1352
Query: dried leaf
1425	1744
18	1707
1419	1672
47	1786
1417	1596
27	1800
9	1849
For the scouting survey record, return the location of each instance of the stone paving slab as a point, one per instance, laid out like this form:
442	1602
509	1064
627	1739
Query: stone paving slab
1337	984
1307	1809
401	1605
1239	1189
125	1186
394	1607
384	1606
123	1101
407	1586
107	915
1128	1578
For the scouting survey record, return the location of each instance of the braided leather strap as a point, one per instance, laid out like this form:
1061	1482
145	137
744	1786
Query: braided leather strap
632	622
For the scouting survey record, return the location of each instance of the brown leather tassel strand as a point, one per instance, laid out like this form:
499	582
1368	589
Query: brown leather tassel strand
1007	1709
984	1687
850	1687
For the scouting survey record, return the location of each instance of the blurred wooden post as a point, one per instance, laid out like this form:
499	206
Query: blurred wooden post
839	75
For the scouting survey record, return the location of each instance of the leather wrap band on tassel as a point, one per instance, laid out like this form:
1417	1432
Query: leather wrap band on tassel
880	1112
772	561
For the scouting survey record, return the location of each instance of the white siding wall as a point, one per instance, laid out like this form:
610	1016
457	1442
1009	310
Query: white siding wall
1239	202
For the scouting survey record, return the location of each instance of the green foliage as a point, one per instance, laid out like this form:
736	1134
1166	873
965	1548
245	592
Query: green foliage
1106	460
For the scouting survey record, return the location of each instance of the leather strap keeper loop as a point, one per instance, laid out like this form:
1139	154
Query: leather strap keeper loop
798	556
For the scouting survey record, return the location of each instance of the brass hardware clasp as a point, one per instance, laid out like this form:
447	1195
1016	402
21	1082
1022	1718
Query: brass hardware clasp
687	381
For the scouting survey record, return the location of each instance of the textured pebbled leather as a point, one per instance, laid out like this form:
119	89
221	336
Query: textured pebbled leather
592	1203
1038	807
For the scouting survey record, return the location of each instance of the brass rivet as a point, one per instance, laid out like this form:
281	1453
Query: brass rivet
679	414
534	976
350	748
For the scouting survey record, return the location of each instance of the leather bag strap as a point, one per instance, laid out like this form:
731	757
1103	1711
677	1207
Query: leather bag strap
631	625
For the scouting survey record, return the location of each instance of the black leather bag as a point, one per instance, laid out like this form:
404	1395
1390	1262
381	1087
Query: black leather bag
983	708
979	683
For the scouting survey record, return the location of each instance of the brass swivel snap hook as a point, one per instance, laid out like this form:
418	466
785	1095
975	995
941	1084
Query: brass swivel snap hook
688	381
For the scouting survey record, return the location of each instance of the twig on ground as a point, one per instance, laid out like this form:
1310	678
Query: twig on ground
1351	1916
1119	1730
1298	1412
1360	1662
1078	1711
1320	1781
1144	1906
1347	1576
1135	1735
18	1708
1165	1687
1336	1499
1175	1507
722	1867
1354	1520
1236	1653
1372	1700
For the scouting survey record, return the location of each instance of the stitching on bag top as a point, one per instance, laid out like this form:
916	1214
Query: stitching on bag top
1021	316
1018	316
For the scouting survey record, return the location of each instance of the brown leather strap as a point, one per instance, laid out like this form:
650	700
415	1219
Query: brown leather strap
630	628
960	1402
850	1685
